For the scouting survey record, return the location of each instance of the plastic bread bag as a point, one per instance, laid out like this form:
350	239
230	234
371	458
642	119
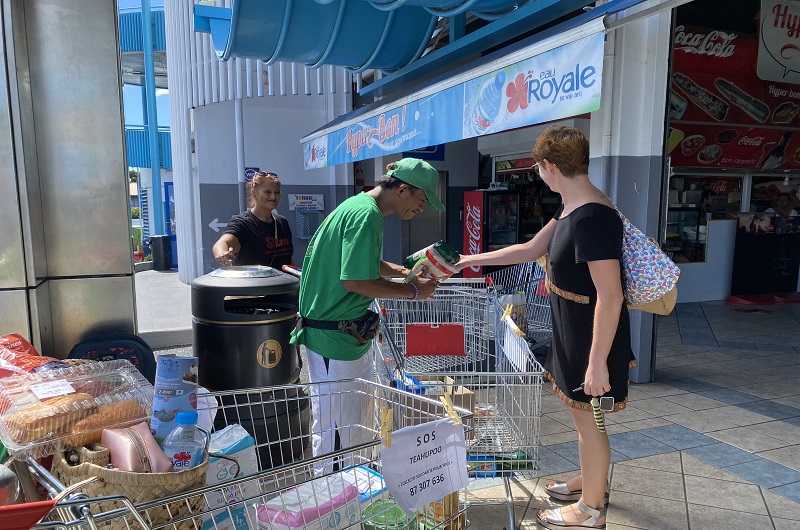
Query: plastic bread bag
18	356
207	408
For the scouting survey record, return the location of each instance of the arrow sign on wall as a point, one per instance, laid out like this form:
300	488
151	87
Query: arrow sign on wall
216	225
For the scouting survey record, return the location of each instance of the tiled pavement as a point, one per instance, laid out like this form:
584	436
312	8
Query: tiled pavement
713	444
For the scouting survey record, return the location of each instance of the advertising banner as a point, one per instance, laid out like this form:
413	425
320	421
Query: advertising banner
778	50
557	84
721	113
473	229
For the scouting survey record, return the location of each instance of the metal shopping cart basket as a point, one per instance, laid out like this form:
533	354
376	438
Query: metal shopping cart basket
477	336
523	286
333	490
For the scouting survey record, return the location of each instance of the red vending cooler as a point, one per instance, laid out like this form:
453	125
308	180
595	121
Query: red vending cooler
491	222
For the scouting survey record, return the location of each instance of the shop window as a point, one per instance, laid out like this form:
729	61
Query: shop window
693	201
775	194
538	203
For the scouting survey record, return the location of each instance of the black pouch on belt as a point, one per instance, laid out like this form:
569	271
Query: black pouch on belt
363	328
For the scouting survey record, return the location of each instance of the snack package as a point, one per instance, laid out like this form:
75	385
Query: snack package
175	390
327	502
17	357
235	442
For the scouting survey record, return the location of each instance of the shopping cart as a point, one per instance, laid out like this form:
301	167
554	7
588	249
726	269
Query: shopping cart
523	286
269	499
479	335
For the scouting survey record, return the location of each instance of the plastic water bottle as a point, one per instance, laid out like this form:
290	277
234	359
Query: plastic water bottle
184	445
488	103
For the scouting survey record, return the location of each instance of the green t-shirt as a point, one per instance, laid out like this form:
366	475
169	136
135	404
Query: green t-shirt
346	246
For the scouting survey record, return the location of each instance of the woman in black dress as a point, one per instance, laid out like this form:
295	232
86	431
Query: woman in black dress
591	351
260	235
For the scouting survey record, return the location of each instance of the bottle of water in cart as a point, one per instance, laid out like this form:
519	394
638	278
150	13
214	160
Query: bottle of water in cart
184	445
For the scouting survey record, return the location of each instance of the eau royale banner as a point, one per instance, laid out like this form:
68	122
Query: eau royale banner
557	84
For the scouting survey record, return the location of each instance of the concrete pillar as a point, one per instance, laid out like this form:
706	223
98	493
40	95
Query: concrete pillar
64	149
627	142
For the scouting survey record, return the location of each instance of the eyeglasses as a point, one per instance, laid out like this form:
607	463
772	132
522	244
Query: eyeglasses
536	169
266	174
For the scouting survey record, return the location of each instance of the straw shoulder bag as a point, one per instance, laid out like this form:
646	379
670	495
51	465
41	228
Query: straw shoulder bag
137	487
649	277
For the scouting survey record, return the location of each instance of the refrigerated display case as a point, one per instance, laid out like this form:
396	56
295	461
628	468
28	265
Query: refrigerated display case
685	238
491	222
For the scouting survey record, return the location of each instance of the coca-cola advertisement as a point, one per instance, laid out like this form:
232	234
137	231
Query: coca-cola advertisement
491	222
721	113
473	229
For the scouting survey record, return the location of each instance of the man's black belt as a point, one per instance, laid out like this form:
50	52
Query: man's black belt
319	324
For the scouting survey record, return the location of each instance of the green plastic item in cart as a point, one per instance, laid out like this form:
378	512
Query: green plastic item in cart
3	453
385	514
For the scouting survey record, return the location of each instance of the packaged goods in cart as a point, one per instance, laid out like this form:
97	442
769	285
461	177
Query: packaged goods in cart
436	261
184	445
17	357
518	305
235	443
329	502
387	515
370	484
41	411
175	390
134	449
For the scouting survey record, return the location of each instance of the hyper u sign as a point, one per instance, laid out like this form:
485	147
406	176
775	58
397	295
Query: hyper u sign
562	82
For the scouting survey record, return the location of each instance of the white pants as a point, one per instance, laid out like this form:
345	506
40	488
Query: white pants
350	410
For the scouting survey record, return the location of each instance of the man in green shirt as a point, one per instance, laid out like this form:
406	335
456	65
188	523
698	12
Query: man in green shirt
342	274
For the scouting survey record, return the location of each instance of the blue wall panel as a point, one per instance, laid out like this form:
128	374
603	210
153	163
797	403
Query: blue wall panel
130	31
138	148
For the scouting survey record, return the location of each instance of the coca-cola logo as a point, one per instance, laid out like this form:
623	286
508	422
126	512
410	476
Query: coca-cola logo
751	140
714	43
720	186
473	227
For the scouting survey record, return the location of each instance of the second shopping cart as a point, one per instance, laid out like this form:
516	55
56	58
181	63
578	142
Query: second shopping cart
473	340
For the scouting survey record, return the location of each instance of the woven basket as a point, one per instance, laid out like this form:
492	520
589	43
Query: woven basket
138	488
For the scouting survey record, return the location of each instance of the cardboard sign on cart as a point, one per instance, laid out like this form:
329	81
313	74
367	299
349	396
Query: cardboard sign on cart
425	463
435	386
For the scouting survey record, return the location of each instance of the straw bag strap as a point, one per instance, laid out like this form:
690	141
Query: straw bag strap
74	488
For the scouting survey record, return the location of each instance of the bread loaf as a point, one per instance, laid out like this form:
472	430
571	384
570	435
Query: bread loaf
49	417
90	429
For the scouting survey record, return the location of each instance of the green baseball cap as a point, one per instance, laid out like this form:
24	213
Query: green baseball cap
420	174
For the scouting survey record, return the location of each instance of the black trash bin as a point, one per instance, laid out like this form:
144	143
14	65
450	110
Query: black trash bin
162	253
241	321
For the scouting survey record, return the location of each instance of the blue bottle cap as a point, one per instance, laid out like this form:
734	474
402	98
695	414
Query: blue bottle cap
186	417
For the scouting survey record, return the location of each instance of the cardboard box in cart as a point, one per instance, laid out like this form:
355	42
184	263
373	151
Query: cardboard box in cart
435	386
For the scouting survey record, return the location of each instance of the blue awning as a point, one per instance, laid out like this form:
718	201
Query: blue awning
552	75
550	79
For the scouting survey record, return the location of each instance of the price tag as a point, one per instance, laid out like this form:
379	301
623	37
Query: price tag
52	389
425	463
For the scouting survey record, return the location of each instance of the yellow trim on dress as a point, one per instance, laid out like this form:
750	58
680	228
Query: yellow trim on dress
587	406
578	298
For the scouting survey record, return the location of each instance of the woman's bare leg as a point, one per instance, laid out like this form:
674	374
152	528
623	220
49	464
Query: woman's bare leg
595	455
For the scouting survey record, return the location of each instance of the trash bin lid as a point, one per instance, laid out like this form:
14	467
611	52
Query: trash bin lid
214	294
245	271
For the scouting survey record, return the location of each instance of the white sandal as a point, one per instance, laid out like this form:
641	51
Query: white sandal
554	519
560	492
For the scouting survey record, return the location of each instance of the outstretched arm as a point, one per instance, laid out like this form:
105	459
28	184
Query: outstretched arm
522	253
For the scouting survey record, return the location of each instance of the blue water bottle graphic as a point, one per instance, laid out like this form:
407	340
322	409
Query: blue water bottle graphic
184	446
488	106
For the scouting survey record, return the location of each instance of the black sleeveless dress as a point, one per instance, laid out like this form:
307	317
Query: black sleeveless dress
591	232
